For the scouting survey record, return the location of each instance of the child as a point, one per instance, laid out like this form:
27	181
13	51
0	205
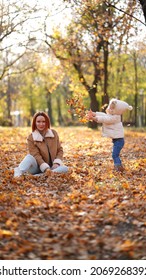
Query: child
112	127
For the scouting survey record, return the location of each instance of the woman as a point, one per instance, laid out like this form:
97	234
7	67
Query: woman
45	150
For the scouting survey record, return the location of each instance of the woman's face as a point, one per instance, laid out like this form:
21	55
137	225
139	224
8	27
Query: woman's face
40	123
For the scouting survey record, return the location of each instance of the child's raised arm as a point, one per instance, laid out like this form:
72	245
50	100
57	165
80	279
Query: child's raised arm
91	115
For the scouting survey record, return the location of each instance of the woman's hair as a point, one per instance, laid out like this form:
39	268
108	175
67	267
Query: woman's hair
47	119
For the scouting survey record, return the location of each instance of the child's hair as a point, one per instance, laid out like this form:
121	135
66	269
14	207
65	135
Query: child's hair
47	119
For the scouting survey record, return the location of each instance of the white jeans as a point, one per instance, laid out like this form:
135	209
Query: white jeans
29	164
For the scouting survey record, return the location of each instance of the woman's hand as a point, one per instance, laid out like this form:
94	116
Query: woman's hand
55	165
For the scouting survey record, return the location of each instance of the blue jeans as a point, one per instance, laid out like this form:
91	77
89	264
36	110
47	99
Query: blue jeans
118	144
29	164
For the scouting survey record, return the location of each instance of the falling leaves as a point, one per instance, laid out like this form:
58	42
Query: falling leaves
78	108
88	213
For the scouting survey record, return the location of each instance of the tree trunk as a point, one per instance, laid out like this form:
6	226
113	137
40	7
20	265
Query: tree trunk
49	106
60	118
94	105
136	89
32	109
8	93
105	97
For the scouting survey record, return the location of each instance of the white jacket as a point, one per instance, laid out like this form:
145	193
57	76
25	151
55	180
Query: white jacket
112	126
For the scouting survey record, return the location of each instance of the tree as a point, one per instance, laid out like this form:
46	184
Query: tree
17	39
88	41
16	33
143	5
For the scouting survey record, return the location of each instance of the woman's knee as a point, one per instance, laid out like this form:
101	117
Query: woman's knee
27	162
30	158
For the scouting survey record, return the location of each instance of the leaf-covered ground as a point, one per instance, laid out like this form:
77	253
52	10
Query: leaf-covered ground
89	213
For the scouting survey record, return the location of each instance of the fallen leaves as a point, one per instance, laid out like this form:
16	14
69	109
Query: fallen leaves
88	213
5	233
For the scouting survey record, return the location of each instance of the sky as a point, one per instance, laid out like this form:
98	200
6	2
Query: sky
58	15
53	12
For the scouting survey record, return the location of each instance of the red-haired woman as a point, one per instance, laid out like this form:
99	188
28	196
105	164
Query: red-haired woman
45	150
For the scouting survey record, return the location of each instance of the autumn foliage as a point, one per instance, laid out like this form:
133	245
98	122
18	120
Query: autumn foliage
77	108
89	213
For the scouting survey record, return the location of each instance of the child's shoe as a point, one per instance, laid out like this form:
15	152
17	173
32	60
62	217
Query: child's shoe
17	172
119	168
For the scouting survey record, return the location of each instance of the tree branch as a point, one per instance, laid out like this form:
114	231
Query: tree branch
144	7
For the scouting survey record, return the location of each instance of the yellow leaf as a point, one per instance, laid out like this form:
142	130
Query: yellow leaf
4	232
125	185
127	245
34	201
90	183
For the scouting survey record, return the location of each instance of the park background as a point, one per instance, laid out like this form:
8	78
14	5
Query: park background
65	57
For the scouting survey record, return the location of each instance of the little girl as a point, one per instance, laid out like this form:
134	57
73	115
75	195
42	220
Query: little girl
112	127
